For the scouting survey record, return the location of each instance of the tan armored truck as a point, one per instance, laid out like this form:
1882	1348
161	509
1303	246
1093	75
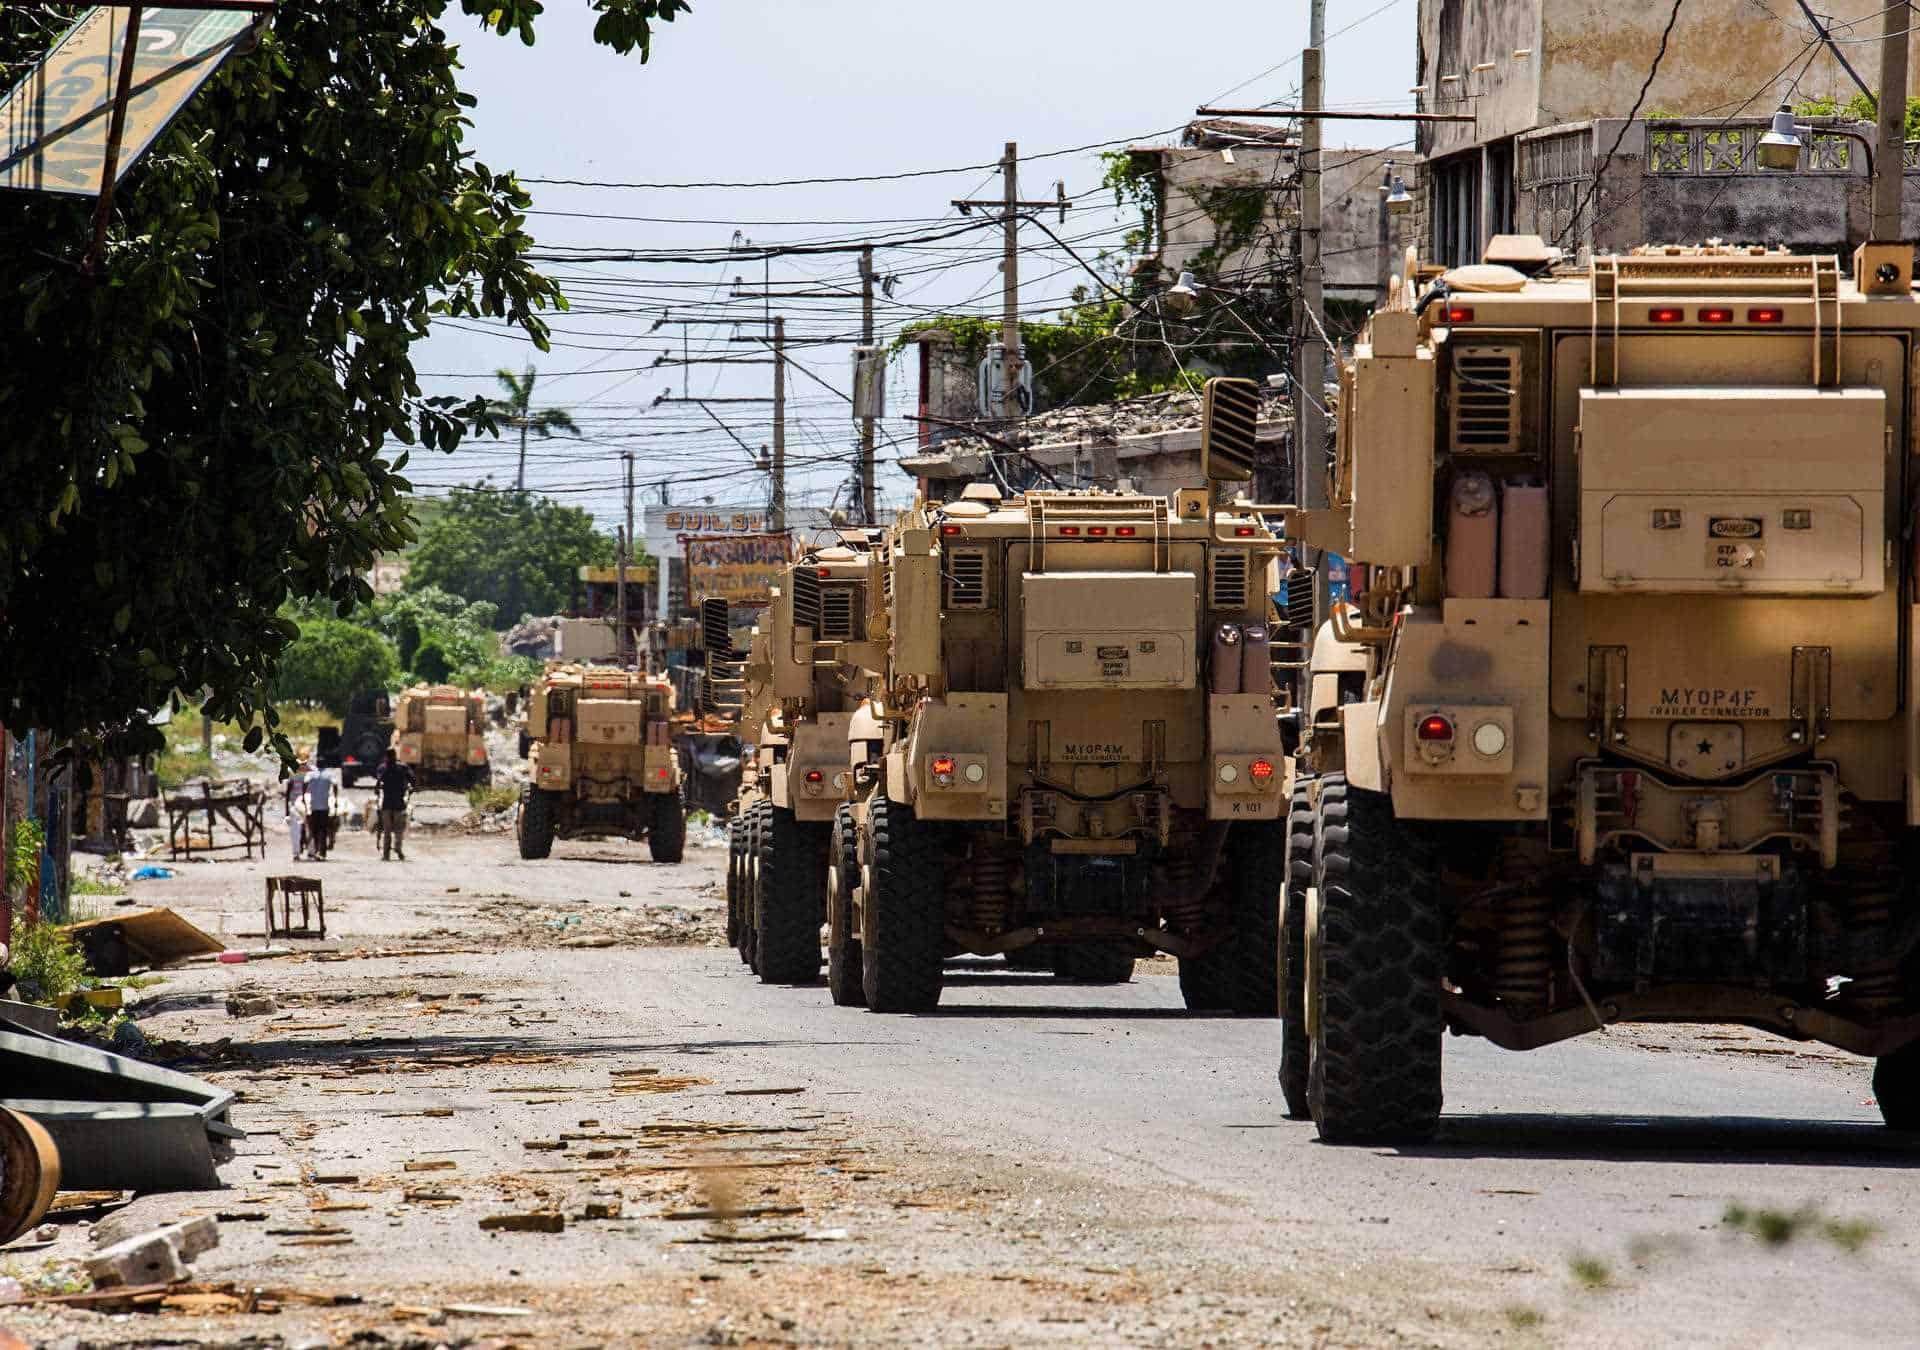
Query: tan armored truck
804	680
1073	753
602	762
1635	734
440	732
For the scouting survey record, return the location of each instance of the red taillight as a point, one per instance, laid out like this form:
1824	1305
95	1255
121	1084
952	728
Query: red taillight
822	572
1766	316
1716	316
949	530
1261	769
1243	531
943	764
1071	531
1666	315
815	776
1460	314
1434	727
1125	531
1097	531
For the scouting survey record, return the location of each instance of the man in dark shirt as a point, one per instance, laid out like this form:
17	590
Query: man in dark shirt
394	782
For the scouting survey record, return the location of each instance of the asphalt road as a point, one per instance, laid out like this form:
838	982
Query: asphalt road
1624	1150
1036	1160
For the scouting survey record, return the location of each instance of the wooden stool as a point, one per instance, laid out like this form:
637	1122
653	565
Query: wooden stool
308	889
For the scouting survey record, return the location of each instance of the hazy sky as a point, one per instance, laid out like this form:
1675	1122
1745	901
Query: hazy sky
756	90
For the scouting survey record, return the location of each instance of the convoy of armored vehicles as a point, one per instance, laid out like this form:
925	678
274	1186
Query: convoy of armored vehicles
1620	721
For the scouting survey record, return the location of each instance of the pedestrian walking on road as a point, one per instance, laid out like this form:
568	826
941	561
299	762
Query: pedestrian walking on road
295	800
394	782
319	811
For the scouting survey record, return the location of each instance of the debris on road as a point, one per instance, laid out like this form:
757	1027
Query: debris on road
251	1003
159	1257
539	1221
149	937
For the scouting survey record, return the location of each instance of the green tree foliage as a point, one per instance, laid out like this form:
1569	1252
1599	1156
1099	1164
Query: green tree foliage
1860	108
331	661
462	630
204	426
514	550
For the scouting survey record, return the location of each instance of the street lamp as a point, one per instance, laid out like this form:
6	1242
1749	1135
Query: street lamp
1183	297
1780	147
1399	200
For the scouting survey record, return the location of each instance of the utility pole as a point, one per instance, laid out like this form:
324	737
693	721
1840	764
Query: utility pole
620	576
1010	284
1010	208
1891	158
1310	351
779	511
867	508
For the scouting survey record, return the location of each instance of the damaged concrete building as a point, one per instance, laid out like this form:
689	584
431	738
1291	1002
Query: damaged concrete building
1148	445
1549	83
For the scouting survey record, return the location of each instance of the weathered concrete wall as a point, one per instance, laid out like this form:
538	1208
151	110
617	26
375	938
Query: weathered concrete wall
1588	59
1685	189
1456	35
1594	54
1202	190
1350	206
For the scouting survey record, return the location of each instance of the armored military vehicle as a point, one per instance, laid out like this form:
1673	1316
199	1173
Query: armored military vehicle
1073	753
601	762
803	682
1635	733
439	731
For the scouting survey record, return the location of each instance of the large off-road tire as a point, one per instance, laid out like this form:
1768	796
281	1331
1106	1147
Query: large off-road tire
667	832
846	981
903	939
736	848
753	823
790	901
1296	1053
1377	958
536	824
1240	974
1896	1085
1093	962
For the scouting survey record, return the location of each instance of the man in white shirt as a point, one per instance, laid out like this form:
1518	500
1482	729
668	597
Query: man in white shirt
319	810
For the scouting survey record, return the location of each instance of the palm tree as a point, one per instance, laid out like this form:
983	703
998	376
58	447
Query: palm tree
517	410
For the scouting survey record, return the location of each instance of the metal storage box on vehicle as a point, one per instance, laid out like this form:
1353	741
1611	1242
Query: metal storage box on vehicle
609	721
1745	489
1105	630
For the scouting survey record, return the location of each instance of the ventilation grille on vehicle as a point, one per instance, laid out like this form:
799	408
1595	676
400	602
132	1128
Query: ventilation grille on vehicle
715	636
1486	399
1299	585
1227	581
806	598
836	613
966	578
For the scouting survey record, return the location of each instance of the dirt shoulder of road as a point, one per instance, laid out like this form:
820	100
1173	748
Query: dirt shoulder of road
431	1070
